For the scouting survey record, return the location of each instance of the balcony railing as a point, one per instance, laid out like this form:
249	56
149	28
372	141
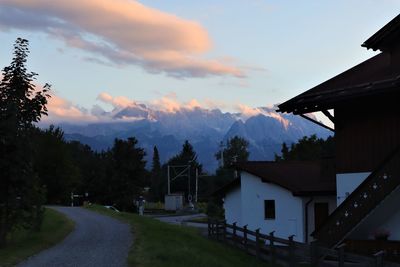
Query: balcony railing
362	201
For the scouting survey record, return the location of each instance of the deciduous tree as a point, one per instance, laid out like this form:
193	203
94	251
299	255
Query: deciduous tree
21	105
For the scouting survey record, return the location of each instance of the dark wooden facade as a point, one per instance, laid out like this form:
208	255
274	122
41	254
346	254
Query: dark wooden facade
366	133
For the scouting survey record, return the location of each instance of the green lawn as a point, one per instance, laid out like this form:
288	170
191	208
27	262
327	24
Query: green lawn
163	245
24	243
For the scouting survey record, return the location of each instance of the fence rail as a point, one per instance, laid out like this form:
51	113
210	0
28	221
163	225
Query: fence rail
288	251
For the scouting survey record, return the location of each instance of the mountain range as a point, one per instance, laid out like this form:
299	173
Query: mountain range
263	128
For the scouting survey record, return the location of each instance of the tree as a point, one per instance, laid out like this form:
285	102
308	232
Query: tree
236	150
307	148
128	172
21	105
187	158
55	165
156	176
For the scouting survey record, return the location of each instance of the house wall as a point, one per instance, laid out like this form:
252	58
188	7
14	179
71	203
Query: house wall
288	209
385	217
233	206
331	200
347	182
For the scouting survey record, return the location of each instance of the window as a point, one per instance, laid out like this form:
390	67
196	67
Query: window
269	209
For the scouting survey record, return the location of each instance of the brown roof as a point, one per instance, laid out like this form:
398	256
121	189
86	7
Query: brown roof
385	37
375	76
302	178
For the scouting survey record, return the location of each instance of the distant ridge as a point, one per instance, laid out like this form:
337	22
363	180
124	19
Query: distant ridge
265	130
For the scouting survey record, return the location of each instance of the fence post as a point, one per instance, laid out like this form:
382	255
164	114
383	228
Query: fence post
245	236
292	255
224	233
258	243
209	227
272	247
341	254
234	233
313	253
379	258
217	229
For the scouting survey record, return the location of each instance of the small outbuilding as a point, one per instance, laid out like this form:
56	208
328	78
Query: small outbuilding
290	198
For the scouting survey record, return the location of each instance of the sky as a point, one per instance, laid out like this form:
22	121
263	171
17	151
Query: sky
234	55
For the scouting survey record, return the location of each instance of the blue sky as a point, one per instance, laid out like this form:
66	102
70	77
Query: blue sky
250	53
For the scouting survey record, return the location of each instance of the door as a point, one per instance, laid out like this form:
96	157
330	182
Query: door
321	212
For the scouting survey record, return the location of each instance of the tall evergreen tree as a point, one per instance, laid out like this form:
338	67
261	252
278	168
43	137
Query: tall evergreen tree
156	176
21	105
128	172
187	158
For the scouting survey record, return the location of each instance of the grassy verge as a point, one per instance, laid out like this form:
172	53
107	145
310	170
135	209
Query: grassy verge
24	243
163	245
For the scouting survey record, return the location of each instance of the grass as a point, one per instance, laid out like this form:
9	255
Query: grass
24	243
164	245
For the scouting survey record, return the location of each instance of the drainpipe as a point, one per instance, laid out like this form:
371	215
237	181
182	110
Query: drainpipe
307	203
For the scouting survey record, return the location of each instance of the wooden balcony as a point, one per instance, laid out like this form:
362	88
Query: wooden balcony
364	199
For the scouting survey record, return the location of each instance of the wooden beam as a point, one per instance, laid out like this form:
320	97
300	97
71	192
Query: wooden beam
317	122
329	115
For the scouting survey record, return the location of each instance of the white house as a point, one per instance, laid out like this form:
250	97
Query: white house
289	198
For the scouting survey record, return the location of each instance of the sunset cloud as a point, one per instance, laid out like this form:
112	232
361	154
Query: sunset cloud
247	112
121	32
60	109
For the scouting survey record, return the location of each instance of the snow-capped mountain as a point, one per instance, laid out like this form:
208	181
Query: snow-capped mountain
264	128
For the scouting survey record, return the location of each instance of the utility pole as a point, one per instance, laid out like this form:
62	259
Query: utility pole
169	187
189	195
197	185
235	173
221	146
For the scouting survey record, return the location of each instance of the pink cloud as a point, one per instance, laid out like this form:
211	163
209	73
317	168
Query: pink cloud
121	32
247	112
118	102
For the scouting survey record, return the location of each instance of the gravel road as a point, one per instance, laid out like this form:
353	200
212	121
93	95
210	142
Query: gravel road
97	240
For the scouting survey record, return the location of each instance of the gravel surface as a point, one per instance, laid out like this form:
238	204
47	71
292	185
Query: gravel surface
97	240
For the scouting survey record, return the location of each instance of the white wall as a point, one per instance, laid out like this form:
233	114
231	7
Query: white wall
386	216
347	182
331	200
233	206
288	209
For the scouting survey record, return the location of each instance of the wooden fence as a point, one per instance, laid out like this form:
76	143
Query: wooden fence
288	251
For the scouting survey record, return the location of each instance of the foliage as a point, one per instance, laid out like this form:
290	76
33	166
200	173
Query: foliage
21	105
187	159
127	174
307	148
186	246
24	243
54	163
156	177
236	151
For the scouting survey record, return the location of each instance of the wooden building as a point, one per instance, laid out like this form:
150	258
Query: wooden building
365	100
